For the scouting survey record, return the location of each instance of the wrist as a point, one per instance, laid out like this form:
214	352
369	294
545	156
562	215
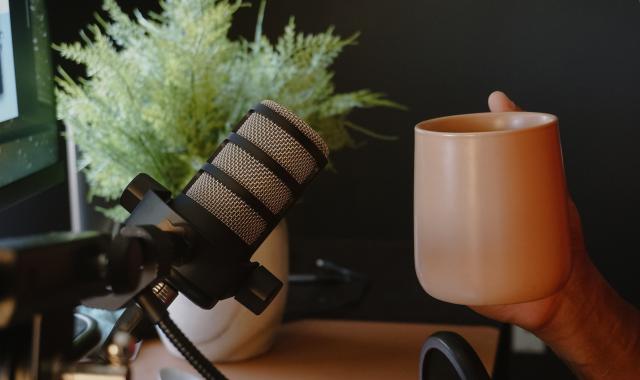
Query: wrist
592	328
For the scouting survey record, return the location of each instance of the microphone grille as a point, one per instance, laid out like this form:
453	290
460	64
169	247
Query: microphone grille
279	145
230	209
254	176
300	124
265	169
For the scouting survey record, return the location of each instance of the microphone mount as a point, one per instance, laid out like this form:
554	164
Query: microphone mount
248	282
182	251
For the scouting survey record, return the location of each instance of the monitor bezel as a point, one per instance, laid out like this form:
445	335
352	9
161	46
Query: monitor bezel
35	183
45	178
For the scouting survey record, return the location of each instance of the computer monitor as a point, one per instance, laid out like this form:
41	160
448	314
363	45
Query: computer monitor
31	158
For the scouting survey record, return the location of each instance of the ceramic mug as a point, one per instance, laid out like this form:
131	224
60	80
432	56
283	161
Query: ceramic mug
490	208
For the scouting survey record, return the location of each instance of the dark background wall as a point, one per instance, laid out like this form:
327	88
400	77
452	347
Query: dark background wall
574	58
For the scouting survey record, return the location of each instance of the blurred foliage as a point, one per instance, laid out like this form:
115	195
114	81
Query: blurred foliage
162	90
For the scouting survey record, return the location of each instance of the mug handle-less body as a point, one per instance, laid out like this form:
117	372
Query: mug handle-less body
490	208
458	352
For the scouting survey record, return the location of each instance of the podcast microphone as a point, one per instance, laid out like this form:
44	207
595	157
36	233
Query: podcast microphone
228	208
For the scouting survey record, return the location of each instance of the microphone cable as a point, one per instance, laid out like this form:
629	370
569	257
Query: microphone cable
157	312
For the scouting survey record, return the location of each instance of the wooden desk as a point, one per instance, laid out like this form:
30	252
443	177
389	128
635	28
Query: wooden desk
324	349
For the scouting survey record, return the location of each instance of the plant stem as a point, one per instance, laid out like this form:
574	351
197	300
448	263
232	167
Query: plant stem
368	132
258	33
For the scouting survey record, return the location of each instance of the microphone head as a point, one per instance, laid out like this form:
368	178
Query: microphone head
259	171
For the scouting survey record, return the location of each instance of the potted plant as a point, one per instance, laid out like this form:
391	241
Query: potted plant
163	90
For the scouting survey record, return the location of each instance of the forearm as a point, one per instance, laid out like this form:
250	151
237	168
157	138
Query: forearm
596	333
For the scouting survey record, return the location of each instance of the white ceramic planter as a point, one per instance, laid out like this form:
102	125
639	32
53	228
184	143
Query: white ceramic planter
230	332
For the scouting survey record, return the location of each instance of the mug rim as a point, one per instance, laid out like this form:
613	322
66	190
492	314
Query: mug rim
547	120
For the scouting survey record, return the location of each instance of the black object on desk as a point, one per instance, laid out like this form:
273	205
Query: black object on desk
328	288
447	355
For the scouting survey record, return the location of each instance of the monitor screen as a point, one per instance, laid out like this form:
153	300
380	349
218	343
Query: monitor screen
29	135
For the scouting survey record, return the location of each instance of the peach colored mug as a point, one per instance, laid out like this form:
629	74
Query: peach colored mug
490	208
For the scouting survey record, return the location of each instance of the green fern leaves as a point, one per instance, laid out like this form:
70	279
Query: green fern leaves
162	90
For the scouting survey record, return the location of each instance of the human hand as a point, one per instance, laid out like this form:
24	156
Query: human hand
594	330
535	315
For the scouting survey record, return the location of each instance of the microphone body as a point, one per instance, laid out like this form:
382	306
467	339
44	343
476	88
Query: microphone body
230	206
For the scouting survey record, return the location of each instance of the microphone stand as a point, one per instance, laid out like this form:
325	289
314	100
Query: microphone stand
167	248
152	303
157	312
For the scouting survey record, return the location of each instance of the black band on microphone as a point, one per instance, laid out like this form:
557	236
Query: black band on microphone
239	190
292	130
240	123
267	161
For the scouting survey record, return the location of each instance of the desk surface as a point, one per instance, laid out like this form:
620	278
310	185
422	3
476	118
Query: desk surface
323	349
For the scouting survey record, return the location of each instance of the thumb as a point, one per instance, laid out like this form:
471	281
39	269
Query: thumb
499	102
